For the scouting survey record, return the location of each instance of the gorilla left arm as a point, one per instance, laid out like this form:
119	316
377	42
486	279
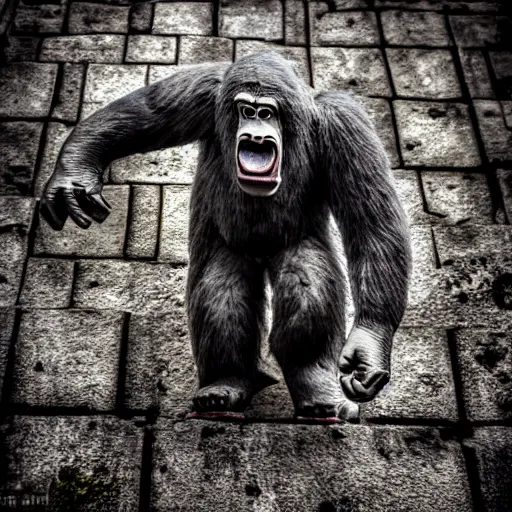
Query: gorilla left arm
376	238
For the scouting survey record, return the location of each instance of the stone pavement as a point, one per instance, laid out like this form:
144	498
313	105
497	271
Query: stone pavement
95	367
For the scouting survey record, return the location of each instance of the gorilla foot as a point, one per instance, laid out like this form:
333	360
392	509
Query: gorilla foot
327	412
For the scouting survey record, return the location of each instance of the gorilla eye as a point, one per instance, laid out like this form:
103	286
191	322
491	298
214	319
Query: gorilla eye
249	112
265	113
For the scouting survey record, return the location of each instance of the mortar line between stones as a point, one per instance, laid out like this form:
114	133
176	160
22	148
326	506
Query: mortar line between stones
215	18
82	91
146	470
159	227
129	218
471	464
121	370
178	48
73	283
434	245
307	28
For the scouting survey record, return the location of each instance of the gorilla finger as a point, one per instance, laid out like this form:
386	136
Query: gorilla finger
92	205
101	208
53	214
366	389
75	212
349	411
346	365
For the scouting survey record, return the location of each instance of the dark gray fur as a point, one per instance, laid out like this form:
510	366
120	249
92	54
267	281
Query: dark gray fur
333	162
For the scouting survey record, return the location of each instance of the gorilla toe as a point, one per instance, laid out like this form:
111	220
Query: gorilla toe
221	397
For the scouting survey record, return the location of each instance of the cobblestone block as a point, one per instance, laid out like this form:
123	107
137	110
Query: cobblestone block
351	28
493	450
88	48
476	73
296	54
6	329
144	222
19	145
480	31
457	198
47	284
174	230
169	166
502	66
357	69
505	181
407	185
195	50
506	106
297	468
100	240
21	48
404	28
187	18
258	19
81	463
39	19
70	92
436	134
26	89
141	16
485	362
421	379
92	18
294	23
56	134
143	48
423	73
380	113
15	220
493	130
136	287
68	358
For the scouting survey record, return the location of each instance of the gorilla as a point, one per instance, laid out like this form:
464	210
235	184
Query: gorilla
276	162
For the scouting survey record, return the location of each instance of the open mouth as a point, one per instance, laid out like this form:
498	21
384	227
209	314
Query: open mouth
257	162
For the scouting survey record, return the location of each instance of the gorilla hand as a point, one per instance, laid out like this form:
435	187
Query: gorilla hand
75	192
365	363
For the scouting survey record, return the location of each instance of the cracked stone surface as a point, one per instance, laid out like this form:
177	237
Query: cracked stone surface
97	373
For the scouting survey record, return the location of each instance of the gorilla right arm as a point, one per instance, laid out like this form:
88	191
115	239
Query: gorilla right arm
172	112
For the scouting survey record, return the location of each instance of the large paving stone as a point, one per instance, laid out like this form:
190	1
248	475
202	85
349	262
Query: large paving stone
183	18
80	463
70	93
407	184
174	230
100	240
296	54
6	329
39	19
47	283
404	28
485	362
360	70
196	49
91	18
136	287
421	384
169	166
257	19
436	134
480	31
502	67
68	358
492	447
105	48
457	198
304	468
294	22
19	146
423	73
15	221
145	48
26	89
332	28
476	73
495	135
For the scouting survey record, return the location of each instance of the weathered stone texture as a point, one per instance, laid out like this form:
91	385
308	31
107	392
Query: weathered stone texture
476	73
39	19
342	28
93	461
143	48
423	73
91	18
457	198
436	134
15	220
6	330
19	146
297	468
407	185
480	31
257	19
141	16
21	48
87	48
144	222
47	283
195	50
68	358
502	67
404	28
294	22
160	72
505	182
183	18
70	93
26	89
357	69
103	240
506	106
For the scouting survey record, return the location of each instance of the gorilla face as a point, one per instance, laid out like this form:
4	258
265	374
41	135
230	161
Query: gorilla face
258	145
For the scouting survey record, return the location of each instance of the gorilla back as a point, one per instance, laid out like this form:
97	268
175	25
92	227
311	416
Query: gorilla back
276	161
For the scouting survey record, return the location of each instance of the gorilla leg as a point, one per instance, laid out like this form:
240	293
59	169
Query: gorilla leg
226	307
308	328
